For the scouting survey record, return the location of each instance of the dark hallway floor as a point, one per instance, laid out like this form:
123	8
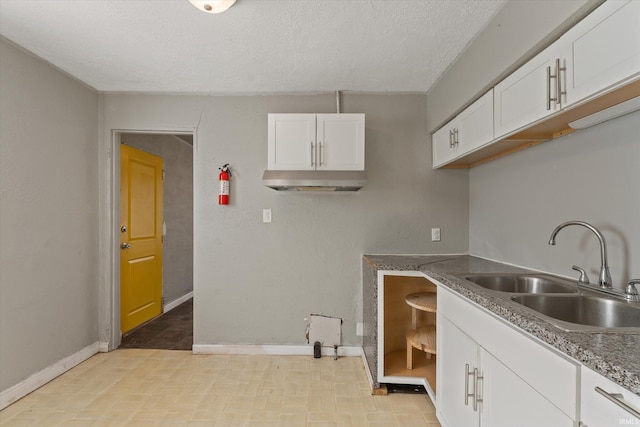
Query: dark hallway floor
171	331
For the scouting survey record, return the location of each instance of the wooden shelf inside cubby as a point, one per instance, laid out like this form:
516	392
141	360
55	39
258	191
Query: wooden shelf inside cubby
395	364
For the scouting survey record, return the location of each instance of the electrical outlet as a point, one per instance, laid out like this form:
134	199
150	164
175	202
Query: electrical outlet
435	234
359	329
266	215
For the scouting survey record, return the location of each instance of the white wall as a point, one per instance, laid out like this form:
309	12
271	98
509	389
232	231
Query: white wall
590	175
254	282
48	215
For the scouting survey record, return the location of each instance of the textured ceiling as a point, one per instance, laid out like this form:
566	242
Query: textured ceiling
257	46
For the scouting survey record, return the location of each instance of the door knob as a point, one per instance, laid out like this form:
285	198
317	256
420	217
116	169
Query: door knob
125	245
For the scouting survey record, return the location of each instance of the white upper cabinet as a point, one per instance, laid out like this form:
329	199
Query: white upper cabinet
443	144
605	49
593	66
471	129
476	124
291	142
531	92
315	142
602	51
340	141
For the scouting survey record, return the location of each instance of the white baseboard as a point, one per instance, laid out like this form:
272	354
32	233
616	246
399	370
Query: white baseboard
103	346
276	350
176	302
366	369
37	380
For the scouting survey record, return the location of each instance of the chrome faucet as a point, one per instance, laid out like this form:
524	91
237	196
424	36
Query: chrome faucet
605	276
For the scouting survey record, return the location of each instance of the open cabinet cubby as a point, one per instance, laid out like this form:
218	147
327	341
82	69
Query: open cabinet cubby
400	330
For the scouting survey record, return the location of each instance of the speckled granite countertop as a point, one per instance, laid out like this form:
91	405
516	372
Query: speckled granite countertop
614	355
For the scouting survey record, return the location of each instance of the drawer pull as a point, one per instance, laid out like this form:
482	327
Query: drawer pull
618	400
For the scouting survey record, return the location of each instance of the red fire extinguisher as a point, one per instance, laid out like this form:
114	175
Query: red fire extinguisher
223	192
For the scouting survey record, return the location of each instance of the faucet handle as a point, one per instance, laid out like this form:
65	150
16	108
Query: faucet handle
583	279
631	289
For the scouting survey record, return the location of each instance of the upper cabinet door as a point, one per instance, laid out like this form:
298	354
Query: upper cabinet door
469	130
475	124
291	142
443	144
605	48
530	93
340	141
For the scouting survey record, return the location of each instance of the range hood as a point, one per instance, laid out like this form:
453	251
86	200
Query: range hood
314	180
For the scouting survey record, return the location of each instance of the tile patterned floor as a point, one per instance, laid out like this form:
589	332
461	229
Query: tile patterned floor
151	388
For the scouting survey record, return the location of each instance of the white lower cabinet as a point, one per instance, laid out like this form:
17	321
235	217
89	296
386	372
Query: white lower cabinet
453	381
476	389
491	375
604	403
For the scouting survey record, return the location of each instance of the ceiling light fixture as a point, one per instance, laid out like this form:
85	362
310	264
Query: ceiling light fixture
213	6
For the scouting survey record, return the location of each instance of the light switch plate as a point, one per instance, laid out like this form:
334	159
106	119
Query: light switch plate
266	215
435	234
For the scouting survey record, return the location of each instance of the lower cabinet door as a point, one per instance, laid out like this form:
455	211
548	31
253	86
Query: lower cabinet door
508	401
605	403
456	351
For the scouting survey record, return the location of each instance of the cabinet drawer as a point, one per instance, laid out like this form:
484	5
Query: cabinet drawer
596	410
551	374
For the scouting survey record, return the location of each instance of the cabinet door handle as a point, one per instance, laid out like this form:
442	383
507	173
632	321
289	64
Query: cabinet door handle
321	149
312	150
467	373
618	400
476	398
455	136
559	91
549	77
451	143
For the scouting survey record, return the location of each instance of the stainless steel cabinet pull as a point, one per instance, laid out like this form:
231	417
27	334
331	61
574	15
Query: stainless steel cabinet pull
321	149
559	91
618	400
455	137
476	398
312	153
549	77
451	143
548	88
467	395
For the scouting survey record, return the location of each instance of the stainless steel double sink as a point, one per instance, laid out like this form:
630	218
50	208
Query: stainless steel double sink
561	303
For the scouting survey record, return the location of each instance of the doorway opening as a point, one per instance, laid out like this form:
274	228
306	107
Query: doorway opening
172	326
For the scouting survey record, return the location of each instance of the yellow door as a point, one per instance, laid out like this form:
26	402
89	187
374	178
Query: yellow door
140	237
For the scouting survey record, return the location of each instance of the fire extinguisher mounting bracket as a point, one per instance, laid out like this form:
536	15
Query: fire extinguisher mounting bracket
225	168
